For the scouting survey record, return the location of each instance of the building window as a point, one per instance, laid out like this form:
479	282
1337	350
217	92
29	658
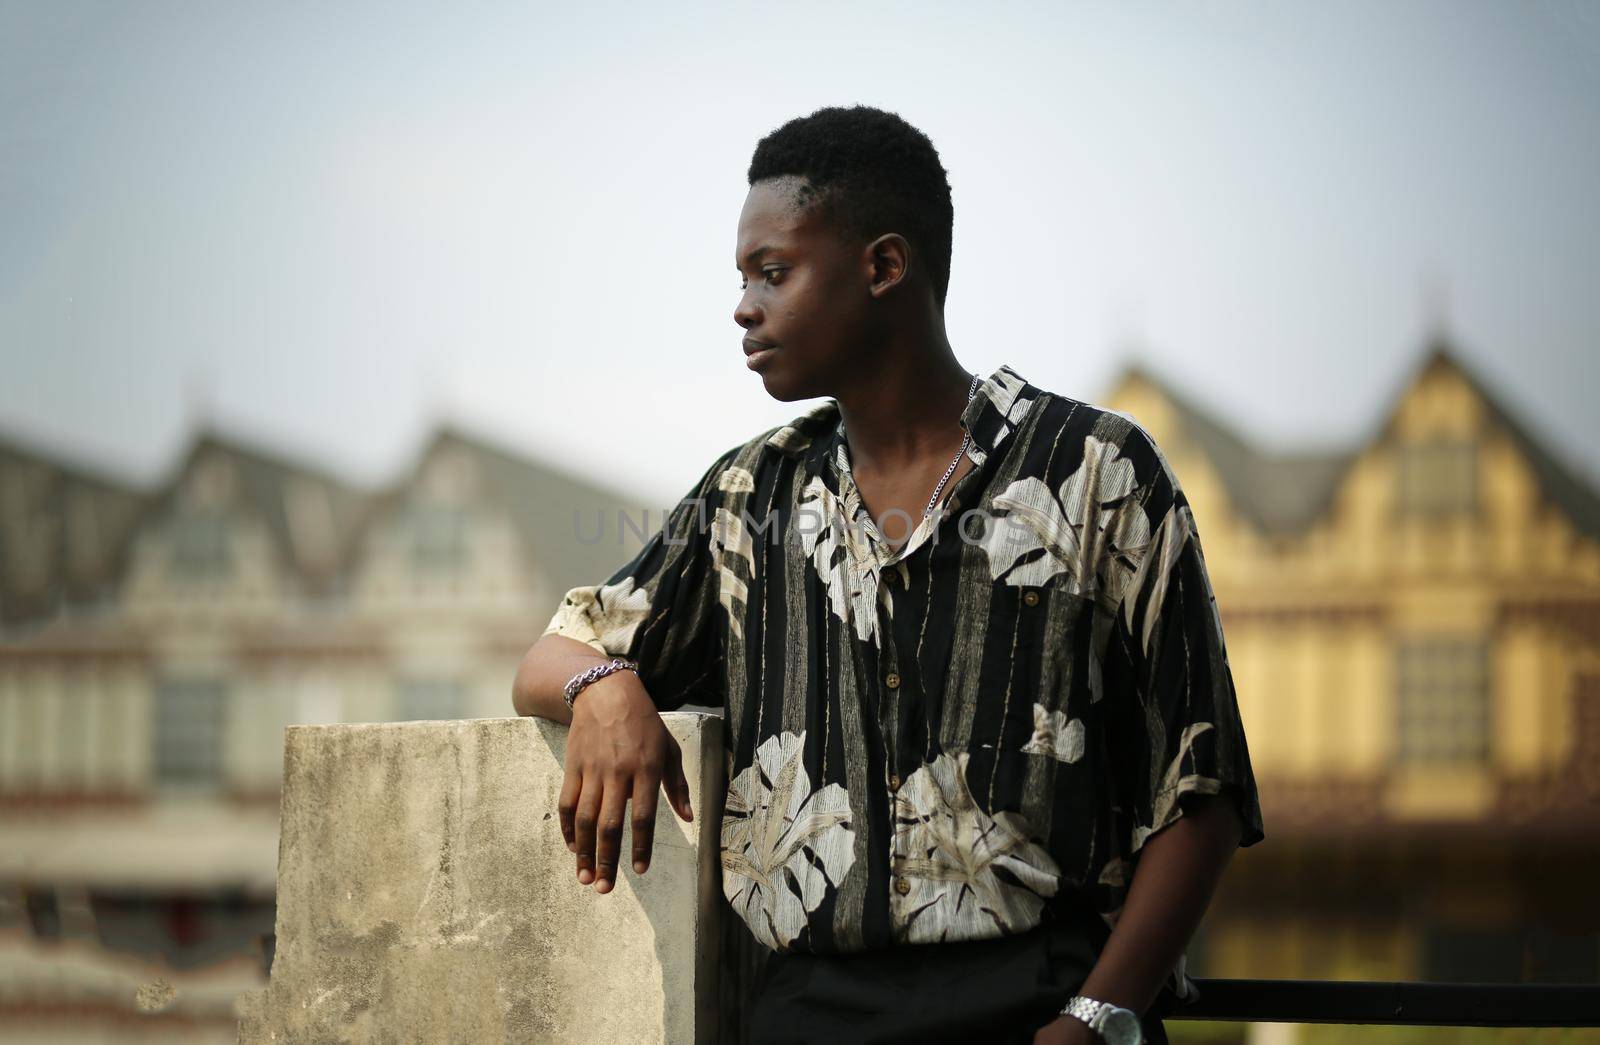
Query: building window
1438	478
429	700
187	927
438	539
1444	703
200	546
76	726
188	733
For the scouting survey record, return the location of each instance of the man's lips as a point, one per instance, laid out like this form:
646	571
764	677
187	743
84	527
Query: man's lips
757	353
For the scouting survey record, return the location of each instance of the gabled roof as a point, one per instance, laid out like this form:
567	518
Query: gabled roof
541	500
281	493
63	530
1287	493
1278	493
1560	482
267	483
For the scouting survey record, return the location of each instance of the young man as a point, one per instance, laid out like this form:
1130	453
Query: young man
986	763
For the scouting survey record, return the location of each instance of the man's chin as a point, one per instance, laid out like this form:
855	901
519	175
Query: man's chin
784	388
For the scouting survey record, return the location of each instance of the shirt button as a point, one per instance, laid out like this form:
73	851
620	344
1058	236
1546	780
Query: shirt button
1031	598
902	885
892	681
894	783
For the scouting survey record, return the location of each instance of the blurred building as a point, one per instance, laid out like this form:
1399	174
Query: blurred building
1413	627
153	644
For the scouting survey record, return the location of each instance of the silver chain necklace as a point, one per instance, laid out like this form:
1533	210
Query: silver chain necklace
966	441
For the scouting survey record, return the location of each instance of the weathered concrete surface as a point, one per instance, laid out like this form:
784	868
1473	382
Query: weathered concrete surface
425	895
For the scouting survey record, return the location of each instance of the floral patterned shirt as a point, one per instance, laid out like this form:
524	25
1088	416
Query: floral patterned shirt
939	741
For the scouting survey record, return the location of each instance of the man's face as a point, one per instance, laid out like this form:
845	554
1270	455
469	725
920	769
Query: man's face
805	294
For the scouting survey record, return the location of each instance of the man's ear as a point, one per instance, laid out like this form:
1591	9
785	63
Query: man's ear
888	260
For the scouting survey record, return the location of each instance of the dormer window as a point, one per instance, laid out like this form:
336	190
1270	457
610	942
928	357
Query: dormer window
438	538
1438	478
200	545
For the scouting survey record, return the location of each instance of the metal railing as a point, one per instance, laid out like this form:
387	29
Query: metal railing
1420	1004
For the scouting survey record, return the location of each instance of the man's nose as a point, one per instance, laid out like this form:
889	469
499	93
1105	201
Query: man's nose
747	314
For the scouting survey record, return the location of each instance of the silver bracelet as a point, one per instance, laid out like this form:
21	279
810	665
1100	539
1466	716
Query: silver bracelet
599	671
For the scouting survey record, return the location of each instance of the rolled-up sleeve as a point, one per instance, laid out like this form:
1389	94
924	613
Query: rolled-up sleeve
660	608
1180	734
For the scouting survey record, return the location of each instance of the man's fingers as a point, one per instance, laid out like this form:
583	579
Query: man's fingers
608	840
586	822
567	807
646	786
676	785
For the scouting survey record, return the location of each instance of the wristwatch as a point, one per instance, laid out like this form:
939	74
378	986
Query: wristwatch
1114	1024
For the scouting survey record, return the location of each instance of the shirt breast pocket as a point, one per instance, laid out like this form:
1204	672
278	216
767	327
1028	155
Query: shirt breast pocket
1020	643
1056	650
1021	744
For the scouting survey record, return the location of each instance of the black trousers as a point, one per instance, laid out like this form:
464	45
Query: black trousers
1000	990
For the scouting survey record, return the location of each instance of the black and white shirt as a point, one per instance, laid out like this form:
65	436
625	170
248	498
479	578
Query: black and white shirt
939	741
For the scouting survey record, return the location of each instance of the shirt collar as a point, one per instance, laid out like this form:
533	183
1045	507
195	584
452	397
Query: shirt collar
996	410
793	438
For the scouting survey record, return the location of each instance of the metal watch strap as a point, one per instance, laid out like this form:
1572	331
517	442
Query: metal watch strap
1094	1012
576	684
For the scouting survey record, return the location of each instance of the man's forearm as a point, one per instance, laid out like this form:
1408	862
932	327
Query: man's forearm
545	670
1177	872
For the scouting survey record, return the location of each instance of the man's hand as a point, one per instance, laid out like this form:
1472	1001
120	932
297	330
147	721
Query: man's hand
617	748
1065	1030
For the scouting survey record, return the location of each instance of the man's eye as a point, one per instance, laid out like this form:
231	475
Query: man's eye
771	275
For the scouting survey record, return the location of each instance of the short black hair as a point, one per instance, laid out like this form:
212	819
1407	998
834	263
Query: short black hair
872	173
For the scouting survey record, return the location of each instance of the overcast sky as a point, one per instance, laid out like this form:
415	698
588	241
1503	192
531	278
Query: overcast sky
327	226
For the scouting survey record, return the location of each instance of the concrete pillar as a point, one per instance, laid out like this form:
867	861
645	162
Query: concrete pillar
425	894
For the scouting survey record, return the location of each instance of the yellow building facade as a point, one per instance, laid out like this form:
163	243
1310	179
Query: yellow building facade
1413	627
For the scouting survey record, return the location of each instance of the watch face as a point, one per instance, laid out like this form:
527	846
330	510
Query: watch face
1121	1027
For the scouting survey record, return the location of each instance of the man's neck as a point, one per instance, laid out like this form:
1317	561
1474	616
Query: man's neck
906	410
